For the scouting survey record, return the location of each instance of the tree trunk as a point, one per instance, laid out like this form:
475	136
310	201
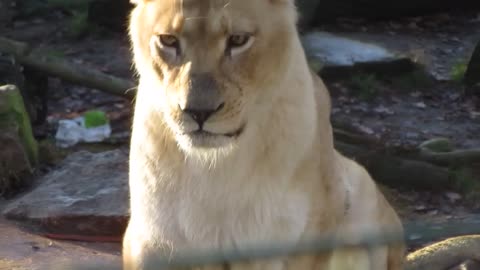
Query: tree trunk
472	76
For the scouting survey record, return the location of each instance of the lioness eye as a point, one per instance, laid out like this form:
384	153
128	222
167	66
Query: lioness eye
238	43
169	41
237	40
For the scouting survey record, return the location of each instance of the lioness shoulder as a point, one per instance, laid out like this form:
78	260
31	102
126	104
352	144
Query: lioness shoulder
232	143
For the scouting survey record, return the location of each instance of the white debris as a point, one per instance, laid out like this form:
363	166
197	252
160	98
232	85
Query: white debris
72	132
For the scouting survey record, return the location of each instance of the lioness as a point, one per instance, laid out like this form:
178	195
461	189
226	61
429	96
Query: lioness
232	142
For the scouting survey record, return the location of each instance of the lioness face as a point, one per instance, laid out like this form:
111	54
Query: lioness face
211	66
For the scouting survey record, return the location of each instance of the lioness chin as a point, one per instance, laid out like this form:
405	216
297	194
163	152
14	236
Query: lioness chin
232	143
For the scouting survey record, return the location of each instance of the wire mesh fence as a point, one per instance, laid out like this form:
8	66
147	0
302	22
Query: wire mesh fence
414	232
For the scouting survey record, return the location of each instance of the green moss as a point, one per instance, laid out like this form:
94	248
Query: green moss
95	119
458	71
438	145
17	113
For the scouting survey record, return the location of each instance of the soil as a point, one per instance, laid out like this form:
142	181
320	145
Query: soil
23	249
399	112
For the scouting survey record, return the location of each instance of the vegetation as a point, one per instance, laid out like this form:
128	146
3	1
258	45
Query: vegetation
439	145
364	86
78	25
14	114
95	119
417	79
465	180
458	71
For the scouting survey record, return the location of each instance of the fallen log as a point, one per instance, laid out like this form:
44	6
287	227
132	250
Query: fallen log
457	157
447	157
446	254
398	172
437	151
56	67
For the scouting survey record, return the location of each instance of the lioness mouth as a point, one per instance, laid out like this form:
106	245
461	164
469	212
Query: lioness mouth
201	132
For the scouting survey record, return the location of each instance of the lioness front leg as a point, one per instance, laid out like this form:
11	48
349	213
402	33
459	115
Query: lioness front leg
138	254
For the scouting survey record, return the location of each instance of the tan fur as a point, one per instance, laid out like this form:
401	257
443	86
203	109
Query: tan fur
279	179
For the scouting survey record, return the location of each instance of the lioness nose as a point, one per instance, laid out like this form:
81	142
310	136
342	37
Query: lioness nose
202	98
201	116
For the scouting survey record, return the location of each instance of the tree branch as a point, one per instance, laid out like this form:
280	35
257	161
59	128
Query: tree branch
56	67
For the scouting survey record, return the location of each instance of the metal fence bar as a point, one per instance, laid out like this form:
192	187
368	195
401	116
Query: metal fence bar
264	251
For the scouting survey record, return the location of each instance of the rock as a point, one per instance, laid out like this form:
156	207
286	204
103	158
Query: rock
87	195
453	197
341	56
420	105
337	50
15	168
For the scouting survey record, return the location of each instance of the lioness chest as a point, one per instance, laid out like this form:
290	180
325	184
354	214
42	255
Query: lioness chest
206	211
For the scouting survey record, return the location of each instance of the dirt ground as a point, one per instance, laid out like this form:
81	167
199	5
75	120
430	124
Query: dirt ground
23	249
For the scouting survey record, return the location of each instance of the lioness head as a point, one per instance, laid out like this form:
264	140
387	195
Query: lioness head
211	67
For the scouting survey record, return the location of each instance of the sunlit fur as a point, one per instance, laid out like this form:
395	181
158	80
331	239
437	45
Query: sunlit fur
278	179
